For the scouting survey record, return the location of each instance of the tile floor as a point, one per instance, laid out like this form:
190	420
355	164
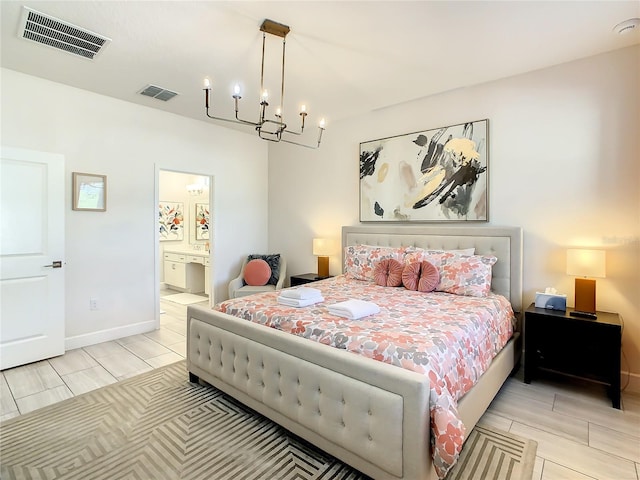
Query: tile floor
579	435
26	388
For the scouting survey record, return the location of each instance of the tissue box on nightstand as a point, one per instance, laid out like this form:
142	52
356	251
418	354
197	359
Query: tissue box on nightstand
551	301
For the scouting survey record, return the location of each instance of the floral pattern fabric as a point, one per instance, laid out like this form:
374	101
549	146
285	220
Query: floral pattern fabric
452	339
360	260
459	274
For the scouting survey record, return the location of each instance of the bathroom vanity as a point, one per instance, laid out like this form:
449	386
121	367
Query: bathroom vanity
187	270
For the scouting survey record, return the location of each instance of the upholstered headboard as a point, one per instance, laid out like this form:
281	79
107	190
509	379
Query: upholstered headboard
505	243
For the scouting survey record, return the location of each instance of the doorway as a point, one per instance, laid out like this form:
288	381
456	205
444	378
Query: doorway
184	239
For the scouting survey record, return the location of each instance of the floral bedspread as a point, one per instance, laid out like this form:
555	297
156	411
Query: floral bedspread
450	338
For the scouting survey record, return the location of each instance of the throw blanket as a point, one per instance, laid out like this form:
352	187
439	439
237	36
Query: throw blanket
450	338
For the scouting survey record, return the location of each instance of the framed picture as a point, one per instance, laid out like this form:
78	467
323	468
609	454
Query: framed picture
89	192
202	221
435	175
171	220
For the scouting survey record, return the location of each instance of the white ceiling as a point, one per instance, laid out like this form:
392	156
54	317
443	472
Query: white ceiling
343	58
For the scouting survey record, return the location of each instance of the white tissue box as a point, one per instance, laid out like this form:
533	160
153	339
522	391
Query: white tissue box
551	301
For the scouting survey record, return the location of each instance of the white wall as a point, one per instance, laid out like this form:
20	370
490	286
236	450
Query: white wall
112	255
564	165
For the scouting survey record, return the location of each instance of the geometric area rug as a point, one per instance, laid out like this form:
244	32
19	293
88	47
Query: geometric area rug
160	426
488	454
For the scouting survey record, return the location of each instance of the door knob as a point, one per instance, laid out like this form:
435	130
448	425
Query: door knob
56	264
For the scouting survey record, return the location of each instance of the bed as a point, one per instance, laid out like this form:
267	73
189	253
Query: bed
372	415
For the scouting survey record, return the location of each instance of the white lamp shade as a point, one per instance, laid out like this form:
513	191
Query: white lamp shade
586	263
321	247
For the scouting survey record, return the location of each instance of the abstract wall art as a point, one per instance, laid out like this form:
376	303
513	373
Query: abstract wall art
171	220
429	176
202	221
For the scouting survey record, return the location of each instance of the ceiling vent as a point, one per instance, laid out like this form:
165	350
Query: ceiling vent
50	31
158	92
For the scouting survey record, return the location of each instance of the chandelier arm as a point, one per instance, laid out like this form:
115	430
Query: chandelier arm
246	122
293	133
231	120
301	144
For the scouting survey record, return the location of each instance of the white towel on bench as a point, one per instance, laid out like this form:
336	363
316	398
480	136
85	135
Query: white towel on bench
354	309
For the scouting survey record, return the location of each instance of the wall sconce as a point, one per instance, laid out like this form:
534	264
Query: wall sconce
322	249
585	263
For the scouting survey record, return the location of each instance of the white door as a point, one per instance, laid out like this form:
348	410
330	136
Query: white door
31	256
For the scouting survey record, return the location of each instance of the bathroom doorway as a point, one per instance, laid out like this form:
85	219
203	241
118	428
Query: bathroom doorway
184	240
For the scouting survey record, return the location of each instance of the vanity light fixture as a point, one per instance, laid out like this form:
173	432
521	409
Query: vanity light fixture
271	129
195	189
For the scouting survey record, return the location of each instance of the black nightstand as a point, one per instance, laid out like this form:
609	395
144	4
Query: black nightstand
590	349
305	278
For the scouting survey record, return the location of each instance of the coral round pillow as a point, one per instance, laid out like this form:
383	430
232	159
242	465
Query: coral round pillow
429	277
257	272
411	275
388	273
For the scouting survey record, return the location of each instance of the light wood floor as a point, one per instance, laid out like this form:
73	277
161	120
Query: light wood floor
580	436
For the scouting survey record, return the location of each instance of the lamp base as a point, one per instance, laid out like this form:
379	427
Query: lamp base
323	267
590	316
585	300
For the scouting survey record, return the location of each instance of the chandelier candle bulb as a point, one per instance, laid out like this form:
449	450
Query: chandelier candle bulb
236	91
207	88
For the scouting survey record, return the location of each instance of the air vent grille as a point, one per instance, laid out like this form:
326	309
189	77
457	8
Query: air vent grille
158	93
50	31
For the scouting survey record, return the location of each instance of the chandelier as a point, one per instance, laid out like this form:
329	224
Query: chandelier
271	129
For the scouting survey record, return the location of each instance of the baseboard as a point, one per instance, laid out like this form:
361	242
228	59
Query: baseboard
632	382
92	338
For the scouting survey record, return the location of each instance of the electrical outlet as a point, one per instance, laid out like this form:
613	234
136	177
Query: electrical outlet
93	304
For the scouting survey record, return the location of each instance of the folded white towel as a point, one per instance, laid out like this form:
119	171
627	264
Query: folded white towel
354	309
301	293
294	302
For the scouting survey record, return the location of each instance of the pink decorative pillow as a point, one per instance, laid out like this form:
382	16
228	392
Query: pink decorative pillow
411	275
465	275
257	272
388	273
360	260
429	277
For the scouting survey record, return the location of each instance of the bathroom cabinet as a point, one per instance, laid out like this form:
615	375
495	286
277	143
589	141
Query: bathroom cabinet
185	270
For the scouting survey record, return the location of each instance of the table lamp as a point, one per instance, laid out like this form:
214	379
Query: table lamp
585	263
322	249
